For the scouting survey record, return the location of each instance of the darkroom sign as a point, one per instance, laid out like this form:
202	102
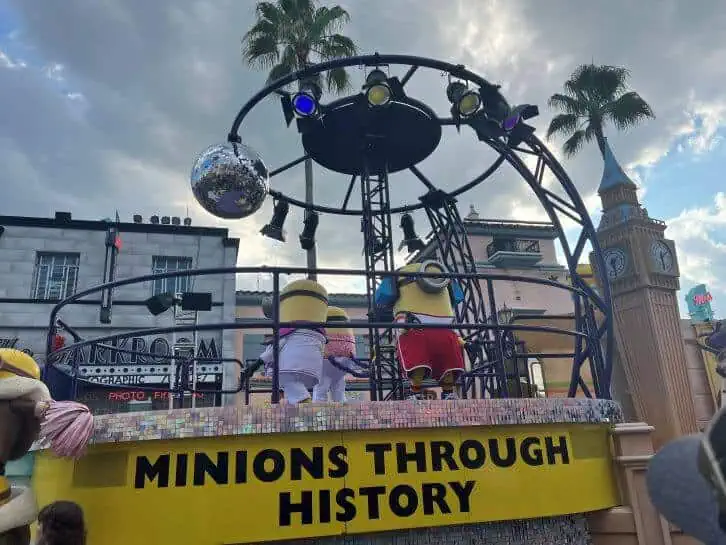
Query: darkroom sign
156	350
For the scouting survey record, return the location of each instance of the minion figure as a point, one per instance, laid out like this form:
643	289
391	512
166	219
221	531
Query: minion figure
28	413
431	352
339	358
301	349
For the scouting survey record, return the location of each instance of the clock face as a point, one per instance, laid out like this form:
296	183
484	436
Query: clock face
662	256
616	262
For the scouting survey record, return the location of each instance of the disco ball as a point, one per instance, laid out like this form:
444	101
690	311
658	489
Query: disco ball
230	181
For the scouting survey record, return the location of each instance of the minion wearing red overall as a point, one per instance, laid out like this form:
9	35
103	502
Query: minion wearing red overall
436	353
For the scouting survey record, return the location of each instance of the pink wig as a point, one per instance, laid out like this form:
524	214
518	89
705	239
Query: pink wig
340	345
68	426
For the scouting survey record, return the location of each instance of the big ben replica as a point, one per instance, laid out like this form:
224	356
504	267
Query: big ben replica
641	266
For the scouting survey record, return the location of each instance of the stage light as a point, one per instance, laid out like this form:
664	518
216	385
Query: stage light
159	304
378	92
196	301
519	113
410	239
466	101
275	229
310	225
304	105
305	102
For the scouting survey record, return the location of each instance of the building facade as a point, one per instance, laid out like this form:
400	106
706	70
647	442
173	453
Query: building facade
44	260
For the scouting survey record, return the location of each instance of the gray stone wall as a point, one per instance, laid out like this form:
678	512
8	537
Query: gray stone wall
29	320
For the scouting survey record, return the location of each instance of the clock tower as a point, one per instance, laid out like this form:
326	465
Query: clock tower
641	266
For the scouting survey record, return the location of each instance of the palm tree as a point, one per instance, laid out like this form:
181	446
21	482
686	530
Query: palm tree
595	96
289	35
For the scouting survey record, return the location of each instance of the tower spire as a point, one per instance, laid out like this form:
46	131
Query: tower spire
613	175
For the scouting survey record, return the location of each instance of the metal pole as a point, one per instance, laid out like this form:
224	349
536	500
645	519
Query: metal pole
172	366
194	362
312	257
275	396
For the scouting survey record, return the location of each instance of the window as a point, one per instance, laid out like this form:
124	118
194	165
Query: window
55	276
163	264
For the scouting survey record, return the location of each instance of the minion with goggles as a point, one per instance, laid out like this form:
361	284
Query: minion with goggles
301	349
431	352
339	358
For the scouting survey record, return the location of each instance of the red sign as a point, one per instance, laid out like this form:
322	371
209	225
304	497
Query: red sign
141	395
702	299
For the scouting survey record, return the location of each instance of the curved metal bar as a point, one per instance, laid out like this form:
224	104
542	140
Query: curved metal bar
587	226
457	71
268	324
322	209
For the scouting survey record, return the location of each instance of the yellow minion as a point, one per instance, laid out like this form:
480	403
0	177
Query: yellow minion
303	301
301	349
436	352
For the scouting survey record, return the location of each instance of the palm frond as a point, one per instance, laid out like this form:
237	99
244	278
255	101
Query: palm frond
334	47
262	27
286	64
567	104
260	51
598	83
328	20
628	110
574	143
338	80
269	11
279	71
562	124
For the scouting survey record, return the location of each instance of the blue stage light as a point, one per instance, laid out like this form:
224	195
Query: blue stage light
304	104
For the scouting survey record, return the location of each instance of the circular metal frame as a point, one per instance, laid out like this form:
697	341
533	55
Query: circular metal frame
561	204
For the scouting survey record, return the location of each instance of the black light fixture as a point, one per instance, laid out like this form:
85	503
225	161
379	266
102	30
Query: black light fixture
160	303
377	90
310	225
198	301
2	230
465	102
518	114
410	239
275	229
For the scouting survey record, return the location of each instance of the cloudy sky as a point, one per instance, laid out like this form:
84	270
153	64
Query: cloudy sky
105	103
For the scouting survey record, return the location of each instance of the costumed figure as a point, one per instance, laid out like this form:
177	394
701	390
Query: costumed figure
301	349
27	413
339	360
425	352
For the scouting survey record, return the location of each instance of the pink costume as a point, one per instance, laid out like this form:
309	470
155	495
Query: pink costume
342	348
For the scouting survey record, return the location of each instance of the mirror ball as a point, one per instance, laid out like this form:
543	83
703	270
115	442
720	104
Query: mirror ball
230	181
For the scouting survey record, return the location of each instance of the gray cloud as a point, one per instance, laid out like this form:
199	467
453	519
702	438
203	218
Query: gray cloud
162	80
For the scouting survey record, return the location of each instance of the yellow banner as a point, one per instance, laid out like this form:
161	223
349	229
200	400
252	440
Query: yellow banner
246	489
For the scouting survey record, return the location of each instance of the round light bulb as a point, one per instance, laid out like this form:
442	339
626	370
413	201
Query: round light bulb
469	103
379	95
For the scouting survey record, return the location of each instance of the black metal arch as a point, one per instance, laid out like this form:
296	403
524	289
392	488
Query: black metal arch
567	203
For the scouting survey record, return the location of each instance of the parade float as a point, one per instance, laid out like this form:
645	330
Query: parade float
490	467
